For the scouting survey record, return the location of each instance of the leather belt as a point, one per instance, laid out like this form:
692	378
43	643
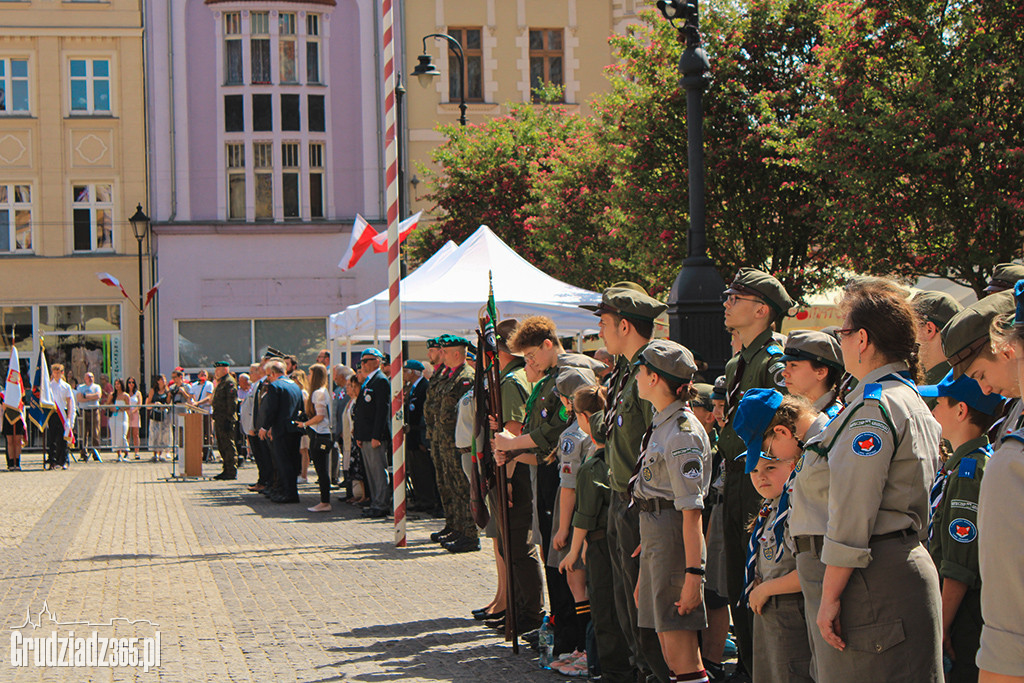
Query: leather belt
902	533
653	504
809	544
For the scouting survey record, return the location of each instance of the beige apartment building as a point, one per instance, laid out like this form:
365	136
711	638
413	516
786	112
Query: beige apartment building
72	171
510	46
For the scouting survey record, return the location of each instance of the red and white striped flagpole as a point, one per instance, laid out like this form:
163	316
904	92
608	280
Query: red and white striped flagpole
394	273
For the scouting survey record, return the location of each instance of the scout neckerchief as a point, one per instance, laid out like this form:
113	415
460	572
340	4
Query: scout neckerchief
537	388
616	383
752	548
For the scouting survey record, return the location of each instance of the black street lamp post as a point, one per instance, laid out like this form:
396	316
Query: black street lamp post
140	226
696	317
426	71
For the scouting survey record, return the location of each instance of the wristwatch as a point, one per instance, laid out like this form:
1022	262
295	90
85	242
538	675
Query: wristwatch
699	571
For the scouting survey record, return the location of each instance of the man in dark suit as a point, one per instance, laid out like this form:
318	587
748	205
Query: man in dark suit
421	468
281	407
371	429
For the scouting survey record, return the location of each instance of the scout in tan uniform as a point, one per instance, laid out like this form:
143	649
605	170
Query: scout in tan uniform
782	652
668	486
869	581
814	367
965	414
1001	538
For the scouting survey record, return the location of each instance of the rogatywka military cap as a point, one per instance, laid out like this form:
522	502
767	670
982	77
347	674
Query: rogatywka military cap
813	345
704	394
764	286
503	331
670	360
967	332
1005	276
570	359
937	308
629	303
719	392
570	378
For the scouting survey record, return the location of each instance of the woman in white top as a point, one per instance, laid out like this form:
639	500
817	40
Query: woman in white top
318	429
118	421
134	417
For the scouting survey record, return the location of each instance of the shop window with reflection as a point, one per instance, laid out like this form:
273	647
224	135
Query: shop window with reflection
92	216
204	342
547	56
15	218
472	76
286	40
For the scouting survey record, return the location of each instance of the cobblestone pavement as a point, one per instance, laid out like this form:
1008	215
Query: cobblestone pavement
240	589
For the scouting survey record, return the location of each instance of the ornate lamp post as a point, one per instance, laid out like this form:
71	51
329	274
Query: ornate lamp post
140	226
426	71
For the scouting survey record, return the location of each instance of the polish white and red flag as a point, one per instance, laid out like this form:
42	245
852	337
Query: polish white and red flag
111	281
14	389
380	242
151	293
361	240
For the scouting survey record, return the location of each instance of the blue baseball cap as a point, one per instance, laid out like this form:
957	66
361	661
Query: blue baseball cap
753	415
371	353
964	389
413	364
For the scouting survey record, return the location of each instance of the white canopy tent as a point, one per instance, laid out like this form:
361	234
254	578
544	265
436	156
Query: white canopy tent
446	293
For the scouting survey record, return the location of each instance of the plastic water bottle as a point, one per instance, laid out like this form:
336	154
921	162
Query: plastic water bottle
546	644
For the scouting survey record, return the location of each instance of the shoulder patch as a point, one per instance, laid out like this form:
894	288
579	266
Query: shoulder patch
775	370
774	349
963	530
873	391
868	423
962	504
867	444
692	468
693	450
968	466
567	446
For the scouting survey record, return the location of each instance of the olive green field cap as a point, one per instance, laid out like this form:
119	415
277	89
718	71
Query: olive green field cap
751	281
967	333
937	308
704	392
570	359
670	360
1005	276
503	331
719	392
628	302
813	345
569	378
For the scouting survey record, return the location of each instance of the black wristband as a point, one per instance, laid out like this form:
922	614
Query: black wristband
699	571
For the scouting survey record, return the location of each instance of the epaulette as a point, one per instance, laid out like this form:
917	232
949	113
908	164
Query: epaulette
873	391
774	349
833	410
968	466
1016	436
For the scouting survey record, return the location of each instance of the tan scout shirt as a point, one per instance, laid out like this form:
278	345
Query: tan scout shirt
774	559
808	515
882	458
572	450
1001	556
677	461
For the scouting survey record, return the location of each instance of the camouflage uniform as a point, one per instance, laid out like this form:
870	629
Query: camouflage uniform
431	412
449	461
225	416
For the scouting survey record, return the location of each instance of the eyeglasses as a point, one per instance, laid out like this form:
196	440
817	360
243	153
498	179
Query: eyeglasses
731	299
529	357
847	331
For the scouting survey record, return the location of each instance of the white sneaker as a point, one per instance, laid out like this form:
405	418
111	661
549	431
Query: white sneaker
302	480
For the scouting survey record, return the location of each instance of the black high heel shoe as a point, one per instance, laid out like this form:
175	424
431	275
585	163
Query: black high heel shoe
484	615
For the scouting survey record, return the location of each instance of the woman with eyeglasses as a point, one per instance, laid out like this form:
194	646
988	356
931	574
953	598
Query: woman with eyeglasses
861	505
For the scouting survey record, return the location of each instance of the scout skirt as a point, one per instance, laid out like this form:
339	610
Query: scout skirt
890	616
663	573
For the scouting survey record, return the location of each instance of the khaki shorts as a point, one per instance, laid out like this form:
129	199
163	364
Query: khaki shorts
662	574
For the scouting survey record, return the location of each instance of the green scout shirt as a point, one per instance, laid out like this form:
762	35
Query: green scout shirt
629	420
545	420
225	399
954	542
461	381
593	494
515	390
763	370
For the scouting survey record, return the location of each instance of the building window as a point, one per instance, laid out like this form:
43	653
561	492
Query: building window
234	114
14	85
312	48
90	86
92	209
259	46
472	76
290	118
286	47
262	112
232	48
290	178
315	105
316	180
263	163
203	342
236	180
15	218
546	58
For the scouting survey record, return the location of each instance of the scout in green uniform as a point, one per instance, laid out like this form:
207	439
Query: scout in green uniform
224	406
627	325
934	309
965	415
753	303
1004	277
463	537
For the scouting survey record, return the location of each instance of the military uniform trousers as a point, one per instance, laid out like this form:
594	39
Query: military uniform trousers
612	646
623	537
965	634
225	433
739	505
890	617
782	653
526	570
444	493
456	507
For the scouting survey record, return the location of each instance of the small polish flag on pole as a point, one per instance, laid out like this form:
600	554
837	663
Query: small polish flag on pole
151	293
380	242
111	281
361	240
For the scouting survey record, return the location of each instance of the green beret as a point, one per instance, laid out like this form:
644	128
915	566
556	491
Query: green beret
222	364
813	345
937	308
751	281
967	333
432	343
569	378
670	360
629	303
1005	276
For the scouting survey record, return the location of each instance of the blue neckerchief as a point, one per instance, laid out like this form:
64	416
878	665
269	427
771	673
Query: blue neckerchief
778	527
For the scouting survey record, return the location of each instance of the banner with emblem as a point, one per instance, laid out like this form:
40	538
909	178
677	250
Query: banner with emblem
40	401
